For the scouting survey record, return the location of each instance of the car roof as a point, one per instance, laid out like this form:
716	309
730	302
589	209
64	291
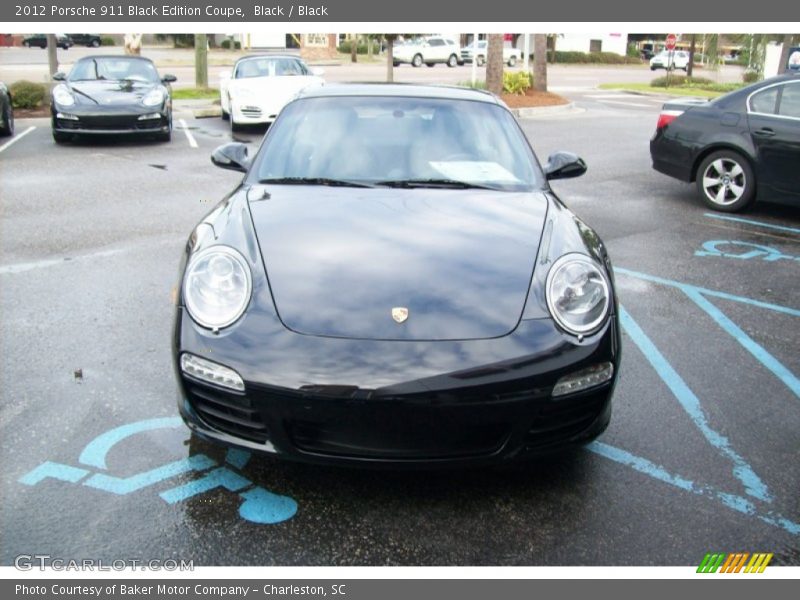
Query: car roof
399	90
269	55
114	57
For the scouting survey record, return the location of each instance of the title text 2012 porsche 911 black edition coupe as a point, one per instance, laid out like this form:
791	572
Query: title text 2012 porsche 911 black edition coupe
736	148
112	95
394	282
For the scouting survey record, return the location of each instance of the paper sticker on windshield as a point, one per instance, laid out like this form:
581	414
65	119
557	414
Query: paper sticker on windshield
474	171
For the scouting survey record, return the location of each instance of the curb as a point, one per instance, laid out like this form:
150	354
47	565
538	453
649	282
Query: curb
543	111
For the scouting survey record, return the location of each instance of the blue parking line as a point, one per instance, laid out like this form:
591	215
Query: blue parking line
761	355
94	454
752	222
691	404
707	292
55	471
732	501
220	477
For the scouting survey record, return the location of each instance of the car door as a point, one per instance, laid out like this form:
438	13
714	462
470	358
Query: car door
774	121
436	50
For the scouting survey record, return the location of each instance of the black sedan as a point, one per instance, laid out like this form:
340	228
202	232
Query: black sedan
90	40
6	111
394	282
112	95
40	40
737	148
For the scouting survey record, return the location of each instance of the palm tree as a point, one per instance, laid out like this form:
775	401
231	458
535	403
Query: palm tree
540	62
494	63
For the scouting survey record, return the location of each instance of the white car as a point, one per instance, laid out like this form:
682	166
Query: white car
663	60
428	51
258	87
478	53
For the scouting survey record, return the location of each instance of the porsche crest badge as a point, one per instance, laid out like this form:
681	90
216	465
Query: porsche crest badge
399	314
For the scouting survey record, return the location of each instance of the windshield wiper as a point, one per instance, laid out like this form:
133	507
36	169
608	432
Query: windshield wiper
314	181
434	183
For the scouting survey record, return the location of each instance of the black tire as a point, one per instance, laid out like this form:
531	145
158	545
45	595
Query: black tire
481	60
26	44
7	128
95	43
225	115
395	63
430	65
653	68
452	61
166	136
512	60
725	181
417	60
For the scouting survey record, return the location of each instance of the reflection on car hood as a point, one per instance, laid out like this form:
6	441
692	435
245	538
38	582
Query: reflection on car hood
340	259
110	92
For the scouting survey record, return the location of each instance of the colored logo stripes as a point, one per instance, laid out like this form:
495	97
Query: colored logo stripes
734	563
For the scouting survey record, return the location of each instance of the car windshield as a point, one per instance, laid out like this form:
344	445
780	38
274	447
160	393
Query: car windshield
269	67
398	142
114	69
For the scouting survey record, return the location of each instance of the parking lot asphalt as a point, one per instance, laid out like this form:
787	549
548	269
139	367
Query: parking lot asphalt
701	455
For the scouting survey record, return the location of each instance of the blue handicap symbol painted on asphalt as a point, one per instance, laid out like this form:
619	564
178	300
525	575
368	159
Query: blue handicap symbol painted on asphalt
742	251
258	505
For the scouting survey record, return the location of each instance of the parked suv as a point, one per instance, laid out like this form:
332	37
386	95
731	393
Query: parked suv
479	52
678	60
90	40
430	50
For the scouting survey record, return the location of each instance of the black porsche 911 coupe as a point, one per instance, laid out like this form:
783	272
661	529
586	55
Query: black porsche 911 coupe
737	148
394	282
112	95
6	111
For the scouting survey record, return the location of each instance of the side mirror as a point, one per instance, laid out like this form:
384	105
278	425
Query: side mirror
563	165
169	78
233	156
318	71
59	76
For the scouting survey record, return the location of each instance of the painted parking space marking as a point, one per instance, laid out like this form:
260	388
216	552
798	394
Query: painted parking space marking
258	505
189	136
760	499
752	222
692	406
619	102
742	251
17	138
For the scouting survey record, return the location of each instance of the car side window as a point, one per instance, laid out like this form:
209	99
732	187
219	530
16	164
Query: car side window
764	102
790	101
436	42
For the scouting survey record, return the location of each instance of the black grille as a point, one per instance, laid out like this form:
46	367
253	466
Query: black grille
228	412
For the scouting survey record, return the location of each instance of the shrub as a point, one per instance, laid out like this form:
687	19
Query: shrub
346	47
751	76
606	58
26	94
517	82
226	45
682	81
107	40
478	85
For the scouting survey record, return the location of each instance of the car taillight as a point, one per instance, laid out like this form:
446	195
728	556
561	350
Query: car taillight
666	117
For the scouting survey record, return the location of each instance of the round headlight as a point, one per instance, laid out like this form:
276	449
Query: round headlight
217	286
153	98
63	96
578	294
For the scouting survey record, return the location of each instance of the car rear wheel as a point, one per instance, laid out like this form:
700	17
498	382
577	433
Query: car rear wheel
452	61
512	60
481	61
725	181
7	127
417	60
95	43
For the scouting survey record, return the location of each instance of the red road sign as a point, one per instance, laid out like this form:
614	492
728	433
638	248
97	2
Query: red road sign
671	40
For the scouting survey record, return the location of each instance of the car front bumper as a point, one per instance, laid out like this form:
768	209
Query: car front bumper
366	402
110	122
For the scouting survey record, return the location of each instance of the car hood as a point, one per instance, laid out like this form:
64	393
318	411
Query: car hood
272	88
104	93
339	260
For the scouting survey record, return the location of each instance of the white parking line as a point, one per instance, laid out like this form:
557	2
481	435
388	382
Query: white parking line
628	103
17	137
189	136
